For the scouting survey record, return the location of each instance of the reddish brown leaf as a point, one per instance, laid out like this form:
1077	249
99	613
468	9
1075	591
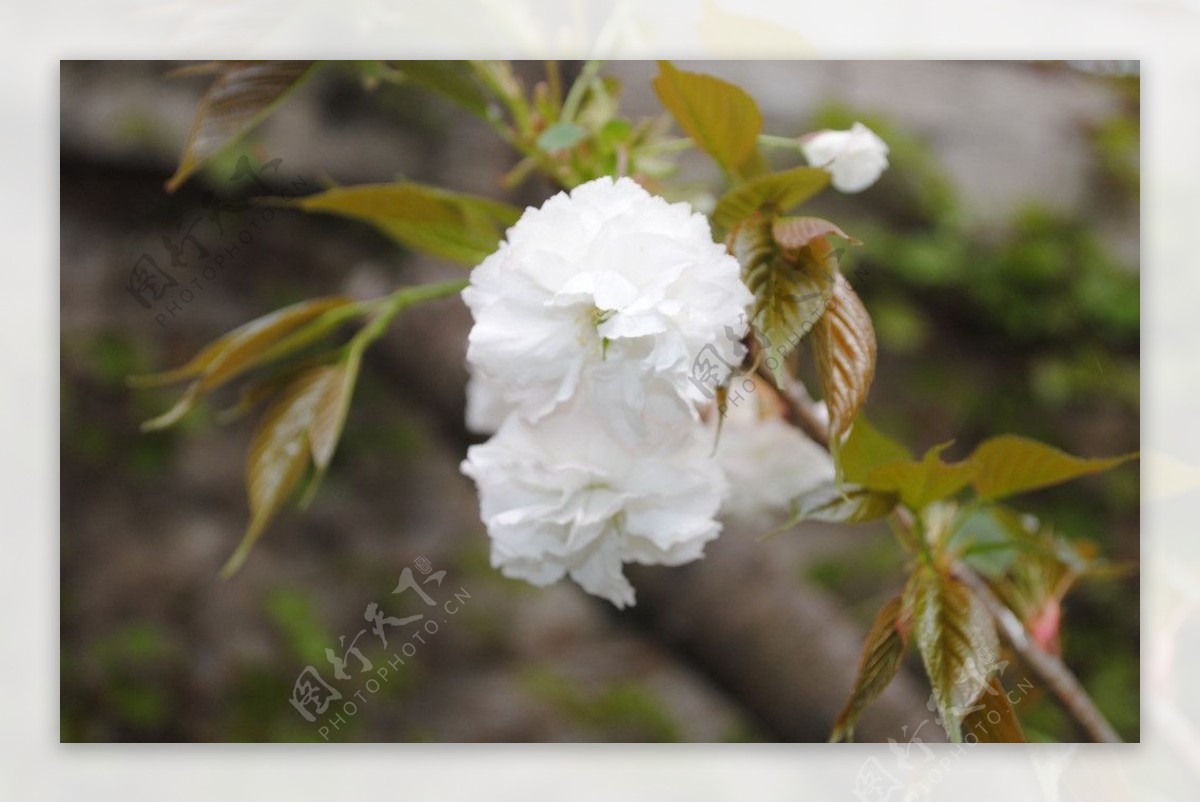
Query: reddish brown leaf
244	94
796	232
881	657
993	718
844	348
957	641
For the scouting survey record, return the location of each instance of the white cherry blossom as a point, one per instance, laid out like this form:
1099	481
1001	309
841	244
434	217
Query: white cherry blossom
562	497
606	279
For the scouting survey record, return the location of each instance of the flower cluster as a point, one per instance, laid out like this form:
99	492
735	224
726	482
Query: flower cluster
587	322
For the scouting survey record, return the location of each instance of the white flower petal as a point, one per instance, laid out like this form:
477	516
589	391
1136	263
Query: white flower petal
767	462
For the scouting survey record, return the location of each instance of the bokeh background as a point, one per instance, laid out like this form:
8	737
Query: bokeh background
1000	263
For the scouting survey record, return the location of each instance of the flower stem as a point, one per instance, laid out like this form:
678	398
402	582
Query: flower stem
575	95
388	307
771	141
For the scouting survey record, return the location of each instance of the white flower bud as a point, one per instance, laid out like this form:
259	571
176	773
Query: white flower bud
855	159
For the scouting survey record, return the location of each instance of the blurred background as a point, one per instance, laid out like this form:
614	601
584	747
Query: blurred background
1000	262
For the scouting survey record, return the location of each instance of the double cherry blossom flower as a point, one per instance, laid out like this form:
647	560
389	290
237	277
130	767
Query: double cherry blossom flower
588	321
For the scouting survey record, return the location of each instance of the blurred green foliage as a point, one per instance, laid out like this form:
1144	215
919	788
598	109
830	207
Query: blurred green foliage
127	675
95	368
624	711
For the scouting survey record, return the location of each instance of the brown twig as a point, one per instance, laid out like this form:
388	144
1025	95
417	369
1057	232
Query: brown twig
1049	668
799	407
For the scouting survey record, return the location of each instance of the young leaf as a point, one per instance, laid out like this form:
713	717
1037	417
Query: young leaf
462	228
243	96
991	538
844	348
993	719
330	414
921	482
866	448
560	137
957	641
246	347
329	419
793	233
881	657
1010	464
256	392
279	454
771	194
721	119
791	287
844	505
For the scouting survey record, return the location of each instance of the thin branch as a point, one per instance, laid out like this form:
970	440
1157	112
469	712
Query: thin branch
800	407
1052	671
1049	668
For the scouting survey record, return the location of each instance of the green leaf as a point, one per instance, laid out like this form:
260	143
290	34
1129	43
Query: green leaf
957	641
242	97
771	194
250	345
279	455
455	80
993	719
844	505
561	137
791	287
844	349
721	119
921	482
991	538
1010	464
881	659
864	449
615	132
462	228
